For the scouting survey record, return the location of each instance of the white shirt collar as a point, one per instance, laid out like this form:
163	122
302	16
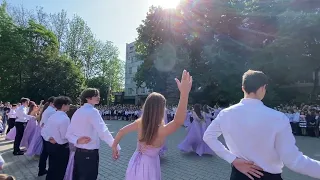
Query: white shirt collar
250	101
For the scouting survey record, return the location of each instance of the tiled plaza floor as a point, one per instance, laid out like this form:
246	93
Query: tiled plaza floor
175	165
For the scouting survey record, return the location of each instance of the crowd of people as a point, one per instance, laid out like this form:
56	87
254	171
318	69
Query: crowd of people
69	135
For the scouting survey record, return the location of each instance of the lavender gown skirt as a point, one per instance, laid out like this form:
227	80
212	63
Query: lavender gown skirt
12	134
187	121
36	144
69	171
28	133
193	141
144	164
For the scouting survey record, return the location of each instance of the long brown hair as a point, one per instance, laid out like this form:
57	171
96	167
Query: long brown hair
152	117
32	105
197	110
45	106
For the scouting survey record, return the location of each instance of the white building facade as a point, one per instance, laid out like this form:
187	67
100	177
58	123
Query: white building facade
136	94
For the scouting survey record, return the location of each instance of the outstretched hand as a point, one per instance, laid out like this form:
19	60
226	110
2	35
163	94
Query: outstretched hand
185	84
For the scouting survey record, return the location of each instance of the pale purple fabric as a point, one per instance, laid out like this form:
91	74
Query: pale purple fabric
69	171
193	141
36	144
28	133
187	120
144	164
12	134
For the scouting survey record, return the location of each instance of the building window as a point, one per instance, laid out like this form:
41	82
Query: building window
130	70
143	90
131	48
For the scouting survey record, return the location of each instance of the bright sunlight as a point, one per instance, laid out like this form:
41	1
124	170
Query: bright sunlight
164	3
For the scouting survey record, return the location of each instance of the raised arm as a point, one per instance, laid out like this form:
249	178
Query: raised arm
184	88
125	130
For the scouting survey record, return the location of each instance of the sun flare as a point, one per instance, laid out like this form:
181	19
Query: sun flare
164	3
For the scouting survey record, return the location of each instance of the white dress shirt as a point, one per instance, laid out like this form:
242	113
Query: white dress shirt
56	127
12	113
296	117
22	114
46	114
260	134
87	121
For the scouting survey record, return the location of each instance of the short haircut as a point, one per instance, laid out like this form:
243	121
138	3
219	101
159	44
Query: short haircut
60	101
51	99
14	105
23	100
88	93
253	80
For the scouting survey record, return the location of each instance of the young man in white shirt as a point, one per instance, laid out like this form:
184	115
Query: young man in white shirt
257	136
56	128
44	118
85	131
22	119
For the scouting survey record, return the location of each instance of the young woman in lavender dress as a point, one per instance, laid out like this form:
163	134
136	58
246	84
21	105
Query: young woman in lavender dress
193	141
152	132
36	144
31	125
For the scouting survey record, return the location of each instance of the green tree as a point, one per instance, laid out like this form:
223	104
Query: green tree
30	64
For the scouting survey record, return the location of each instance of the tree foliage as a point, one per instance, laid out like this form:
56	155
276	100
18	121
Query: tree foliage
218	40
44	55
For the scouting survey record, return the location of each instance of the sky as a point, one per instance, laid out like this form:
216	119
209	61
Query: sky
112	20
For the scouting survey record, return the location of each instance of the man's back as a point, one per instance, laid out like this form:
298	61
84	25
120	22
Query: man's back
257	133
46	114
250	130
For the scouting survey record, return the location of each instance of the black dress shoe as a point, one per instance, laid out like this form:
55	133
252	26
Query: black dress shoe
18	153
42	173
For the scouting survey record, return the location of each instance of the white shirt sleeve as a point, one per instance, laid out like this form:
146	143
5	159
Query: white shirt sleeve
211	138
102	129
70	135
63	129
289	153
23	114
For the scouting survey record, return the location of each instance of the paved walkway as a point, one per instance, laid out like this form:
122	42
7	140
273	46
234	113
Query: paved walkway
175	165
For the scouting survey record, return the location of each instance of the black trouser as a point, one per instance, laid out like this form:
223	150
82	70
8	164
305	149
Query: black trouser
237	175
58	160
19	134
11	122
294	127
43	157
86	164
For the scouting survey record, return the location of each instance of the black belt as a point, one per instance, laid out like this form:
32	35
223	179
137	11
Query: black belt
87	150
56	144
